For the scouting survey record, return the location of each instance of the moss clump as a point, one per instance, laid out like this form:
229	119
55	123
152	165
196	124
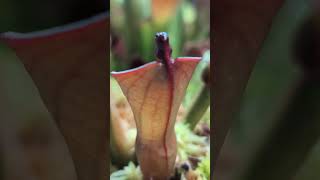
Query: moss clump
189	144
130	172
204	168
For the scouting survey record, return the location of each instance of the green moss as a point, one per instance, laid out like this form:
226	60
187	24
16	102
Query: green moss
204	168
189	144
130	172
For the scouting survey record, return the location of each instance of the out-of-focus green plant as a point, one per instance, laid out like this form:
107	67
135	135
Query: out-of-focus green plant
194	87
289	133
139	20
200	104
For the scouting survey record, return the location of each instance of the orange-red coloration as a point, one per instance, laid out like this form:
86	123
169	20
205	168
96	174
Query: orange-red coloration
155	94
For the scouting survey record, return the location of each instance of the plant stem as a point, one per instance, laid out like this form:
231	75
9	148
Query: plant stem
291	139
286	146
199	107
133	36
